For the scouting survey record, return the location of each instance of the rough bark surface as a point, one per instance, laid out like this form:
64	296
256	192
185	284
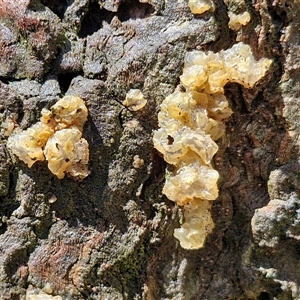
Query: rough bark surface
111	235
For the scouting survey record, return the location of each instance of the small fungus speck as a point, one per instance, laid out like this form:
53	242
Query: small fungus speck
200	6
37	294
236	21
134	100
137	162
52	199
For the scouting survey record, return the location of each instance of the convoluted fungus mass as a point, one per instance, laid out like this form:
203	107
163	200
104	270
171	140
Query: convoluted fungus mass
190	122
56	138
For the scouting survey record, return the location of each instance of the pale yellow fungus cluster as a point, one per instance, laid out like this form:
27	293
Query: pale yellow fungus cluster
200	6
236	21
32	294
190	122
57	137
134	100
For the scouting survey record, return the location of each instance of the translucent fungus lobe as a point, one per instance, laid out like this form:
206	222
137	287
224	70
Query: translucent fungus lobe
56	138
190	122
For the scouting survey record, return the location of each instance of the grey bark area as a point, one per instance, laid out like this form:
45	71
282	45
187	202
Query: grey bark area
111	235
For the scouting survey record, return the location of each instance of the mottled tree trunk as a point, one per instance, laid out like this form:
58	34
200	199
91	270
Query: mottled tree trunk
110	236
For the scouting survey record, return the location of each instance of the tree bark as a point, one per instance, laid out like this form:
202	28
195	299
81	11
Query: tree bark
110	236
